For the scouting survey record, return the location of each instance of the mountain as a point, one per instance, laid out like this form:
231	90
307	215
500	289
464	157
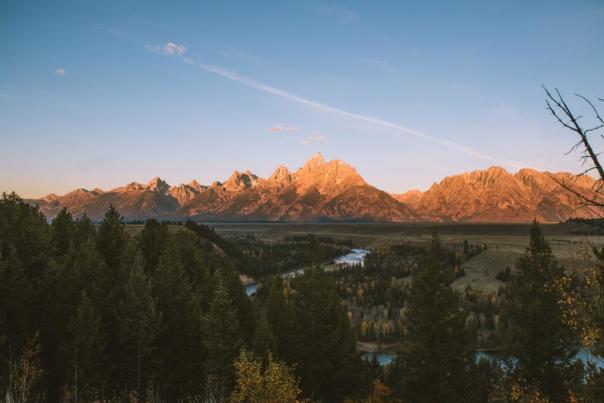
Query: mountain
333	191
318	191
495	195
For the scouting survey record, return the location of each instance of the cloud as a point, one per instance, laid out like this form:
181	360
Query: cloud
315	138
168	49
277	129
4	96
60	71
278	92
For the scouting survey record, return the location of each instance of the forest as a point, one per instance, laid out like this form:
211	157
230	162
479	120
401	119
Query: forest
90	312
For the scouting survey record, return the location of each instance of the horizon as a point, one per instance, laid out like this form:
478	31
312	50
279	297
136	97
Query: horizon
291	170
97	96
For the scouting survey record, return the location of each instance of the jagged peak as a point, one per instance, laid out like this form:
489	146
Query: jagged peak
316	161
134	186
158	184
51	197
280	172
239	180
195	185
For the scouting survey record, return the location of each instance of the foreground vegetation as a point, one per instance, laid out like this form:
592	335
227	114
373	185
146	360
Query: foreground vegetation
91	313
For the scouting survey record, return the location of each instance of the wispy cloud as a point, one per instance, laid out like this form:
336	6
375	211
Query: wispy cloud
60	71
277	129
278	92
4	96
315	138
168	49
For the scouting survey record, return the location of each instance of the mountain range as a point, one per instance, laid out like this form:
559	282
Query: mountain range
334	191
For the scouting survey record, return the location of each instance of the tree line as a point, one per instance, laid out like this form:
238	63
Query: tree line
93	313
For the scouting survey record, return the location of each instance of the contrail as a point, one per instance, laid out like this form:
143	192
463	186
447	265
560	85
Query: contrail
362	118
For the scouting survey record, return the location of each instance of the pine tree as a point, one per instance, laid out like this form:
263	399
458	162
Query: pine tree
111	238
264	340
181	356
138	324
279	320
83	231
83	351
62	232
223	338
151	241
323	345
543	344
435	357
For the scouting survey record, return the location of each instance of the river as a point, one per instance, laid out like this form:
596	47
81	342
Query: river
356	257
584	356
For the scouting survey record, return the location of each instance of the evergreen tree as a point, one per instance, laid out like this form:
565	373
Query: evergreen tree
222	337
62	232
152	239
83	352
264	340
435	358
111	238
323	346
180	358
138	324
80	269
279	320
83	231
24	228
537	336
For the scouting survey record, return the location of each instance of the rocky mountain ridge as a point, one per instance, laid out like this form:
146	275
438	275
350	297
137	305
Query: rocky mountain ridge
333	191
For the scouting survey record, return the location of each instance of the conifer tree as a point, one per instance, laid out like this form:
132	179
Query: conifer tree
323	345
279	320
435	358
152	239
83	350
62	232
111	238
181	356
138	324
83	231
222	337
544	345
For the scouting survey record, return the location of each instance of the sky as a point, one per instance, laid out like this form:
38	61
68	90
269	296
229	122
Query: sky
102	93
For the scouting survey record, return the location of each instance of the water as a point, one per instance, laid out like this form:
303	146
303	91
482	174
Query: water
388	358
355	257
251	289
382	358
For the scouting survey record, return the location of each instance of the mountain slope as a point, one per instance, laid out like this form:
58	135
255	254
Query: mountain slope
495	195
319	190
333	191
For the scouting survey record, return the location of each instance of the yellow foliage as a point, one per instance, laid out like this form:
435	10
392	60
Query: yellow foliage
257	383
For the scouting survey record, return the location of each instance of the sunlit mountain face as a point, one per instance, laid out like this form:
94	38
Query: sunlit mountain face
333	191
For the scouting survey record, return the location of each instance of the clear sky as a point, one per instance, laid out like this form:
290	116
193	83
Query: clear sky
101	93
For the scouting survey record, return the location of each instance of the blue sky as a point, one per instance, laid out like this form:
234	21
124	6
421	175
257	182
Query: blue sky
101	93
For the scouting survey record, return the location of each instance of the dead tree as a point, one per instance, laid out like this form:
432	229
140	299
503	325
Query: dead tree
558	107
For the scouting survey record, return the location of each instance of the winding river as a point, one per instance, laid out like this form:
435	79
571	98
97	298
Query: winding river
355	257
388	358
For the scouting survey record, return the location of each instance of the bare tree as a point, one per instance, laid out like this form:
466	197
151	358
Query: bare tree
589	157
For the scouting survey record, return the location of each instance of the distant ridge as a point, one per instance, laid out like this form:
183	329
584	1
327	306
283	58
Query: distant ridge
333	191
